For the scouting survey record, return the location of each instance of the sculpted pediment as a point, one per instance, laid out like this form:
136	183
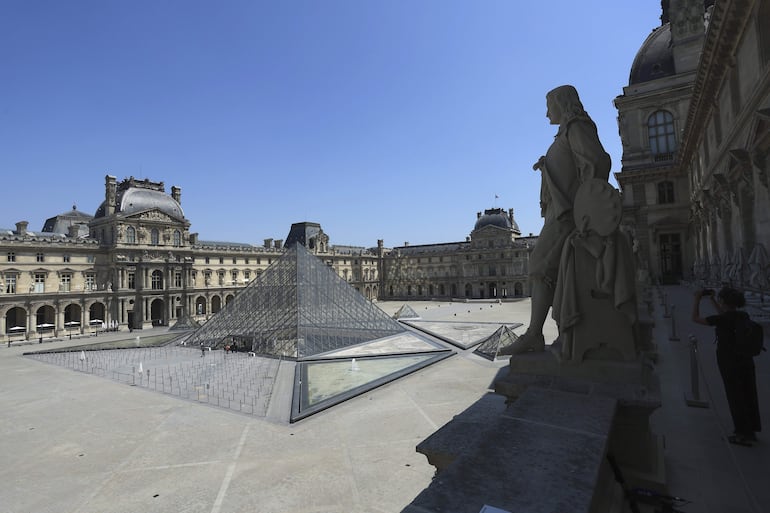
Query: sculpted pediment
491	232
153	215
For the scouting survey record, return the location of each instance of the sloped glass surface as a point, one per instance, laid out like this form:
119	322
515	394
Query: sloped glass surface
320	384
297	308
460	334
500	339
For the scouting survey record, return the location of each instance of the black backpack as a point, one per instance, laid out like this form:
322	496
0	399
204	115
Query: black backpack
749	337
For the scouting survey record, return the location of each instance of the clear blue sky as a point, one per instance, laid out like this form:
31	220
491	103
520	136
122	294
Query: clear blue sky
392	119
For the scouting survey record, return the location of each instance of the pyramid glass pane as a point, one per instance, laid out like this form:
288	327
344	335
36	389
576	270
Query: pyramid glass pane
501	338
297	308
460	334
323	383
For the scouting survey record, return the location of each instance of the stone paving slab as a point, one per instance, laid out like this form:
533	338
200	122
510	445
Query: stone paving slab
357	457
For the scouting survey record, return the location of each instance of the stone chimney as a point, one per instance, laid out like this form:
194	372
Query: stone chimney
193	238
110	194
268	243
687	32
176	194
21	227
278	243
478	215
74	231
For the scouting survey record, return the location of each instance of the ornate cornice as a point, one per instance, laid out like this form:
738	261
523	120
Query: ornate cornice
722	38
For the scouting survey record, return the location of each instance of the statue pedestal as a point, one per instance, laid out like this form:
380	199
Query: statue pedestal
633	385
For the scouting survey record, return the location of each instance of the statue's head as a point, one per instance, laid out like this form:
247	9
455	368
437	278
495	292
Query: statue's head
564	105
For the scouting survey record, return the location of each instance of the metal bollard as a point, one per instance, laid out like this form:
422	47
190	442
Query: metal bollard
693	399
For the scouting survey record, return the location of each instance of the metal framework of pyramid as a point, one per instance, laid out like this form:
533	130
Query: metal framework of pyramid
497	344
299	307
406	312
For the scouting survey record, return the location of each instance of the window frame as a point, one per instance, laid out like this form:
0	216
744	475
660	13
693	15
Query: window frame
661	135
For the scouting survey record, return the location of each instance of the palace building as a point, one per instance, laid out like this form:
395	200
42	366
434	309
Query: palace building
694	122
135	264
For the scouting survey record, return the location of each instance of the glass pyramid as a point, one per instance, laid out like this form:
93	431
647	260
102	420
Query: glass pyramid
297	308
406	312
496	344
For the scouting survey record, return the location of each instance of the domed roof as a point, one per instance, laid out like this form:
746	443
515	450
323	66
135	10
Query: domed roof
62	222
494	217
139	199
655	59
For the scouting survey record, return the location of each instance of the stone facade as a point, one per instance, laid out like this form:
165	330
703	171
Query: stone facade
726	145
492	263
652	114
695	126
135	264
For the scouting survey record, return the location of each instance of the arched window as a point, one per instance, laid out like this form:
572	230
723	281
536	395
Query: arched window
157	280
154	237
177	238
130	235
665	192
660	129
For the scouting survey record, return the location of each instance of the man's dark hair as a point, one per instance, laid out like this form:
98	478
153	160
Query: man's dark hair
732	297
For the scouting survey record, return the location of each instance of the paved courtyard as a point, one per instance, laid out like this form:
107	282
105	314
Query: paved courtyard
74	442
77	442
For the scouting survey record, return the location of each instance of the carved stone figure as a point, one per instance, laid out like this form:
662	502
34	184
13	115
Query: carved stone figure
575	156
582	264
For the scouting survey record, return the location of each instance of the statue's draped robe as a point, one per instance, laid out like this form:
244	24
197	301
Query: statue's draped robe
575	155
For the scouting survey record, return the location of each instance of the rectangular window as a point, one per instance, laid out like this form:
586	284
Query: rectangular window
235	260
40	257
246	261
177	279
39	282
665	192
131	280
66	259
221	260
90	259
207	260
66	282
10	284
221	277
90	281
11	256
235	277
247	274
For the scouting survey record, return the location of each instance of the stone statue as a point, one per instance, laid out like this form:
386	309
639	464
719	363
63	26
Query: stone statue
575	155
580	257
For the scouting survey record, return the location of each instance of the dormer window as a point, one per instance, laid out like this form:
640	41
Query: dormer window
154	237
